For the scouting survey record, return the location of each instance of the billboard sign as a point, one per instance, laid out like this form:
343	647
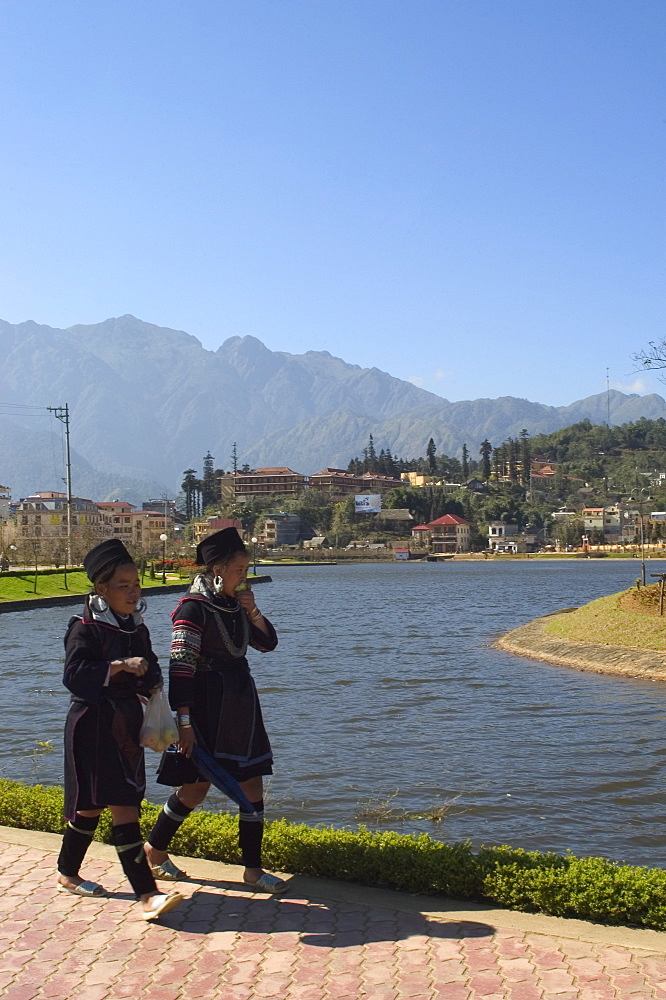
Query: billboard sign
367	503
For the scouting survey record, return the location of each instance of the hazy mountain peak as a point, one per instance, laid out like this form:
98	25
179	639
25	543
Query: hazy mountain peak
149	401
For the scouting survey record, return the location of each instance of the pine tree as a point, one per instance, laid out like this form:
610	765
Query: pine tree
485	451
371	456
190	487
465	463
209	493
525	457
431	455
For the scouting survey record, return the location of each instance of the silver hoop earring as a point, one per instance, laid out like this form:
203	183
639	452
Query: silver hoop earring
141	607
99	604
218	583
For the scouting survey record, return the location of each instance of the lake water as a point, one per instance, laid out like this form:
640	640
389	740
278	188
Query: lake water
385	689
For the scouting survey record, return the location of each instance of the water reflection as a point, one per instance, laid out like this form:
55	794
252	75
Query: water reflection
385	687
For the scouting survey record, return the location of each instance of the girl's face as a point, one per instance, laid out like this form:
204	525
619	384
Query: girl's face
122	591
233	573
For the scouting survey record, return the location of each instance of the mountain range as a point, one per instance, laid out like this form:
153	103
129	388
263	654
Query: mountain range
147	402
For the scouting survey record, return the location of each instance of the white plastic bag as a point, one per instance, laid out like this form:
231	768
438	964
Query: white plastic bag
158	729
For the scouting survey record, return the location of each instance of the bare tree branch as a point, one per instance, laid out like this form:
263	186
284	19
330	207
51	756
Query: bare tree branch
652	359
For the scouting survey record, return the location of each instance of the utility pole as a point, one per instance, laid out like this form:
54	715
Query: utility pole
62	413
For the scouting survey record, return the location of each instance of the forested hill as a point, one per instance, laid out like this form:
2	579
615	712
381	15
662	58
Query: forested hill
623	455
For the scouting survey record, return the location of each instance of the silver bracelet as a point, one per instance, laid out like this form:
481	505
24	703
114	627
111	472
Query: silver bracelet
184	720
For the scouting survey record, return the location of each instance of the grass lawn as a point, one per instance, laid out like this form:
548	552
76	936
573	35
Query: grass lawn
21	587
604	620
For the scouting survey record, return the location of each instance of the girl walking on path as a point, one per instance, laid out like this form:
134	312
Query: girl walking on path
110	668
215	697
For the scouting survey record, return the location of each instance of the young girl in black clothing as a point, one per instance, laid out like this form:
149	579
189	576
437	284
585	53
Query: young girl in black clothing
214	694
109	668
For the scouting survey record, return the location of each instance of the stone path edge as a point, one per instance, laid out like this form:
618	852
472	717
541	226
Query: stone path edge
434	907
532	641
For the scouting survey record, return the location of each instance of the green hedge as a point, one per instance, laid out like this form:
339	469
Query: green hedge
561	885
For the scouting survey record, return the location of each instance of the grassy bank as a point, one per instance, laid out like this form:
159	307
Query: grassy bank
18	585
562	885
629	618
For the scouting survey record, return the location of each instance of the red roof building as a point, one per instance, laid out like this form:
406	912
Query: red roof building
449	533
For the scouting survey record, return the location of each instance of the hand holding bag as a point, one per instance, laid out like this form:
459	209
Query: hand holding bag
158	729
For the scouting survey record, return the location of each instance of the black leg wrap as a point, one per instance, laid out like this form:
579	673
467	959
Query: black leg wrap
168	821
251	834
129	845
75	842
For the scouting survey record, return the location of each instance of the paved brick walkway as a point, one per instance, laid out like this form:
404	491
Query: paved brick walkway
322	941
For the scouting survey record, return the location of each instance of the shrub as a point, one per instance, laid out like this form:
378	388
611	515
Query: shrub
562	885
587	888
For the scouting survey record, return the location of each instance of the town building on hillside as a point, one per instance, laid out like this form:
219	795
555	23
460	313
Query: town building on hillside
509	538
339	483
148	526
162	505
279	530
606	520
449	534
564	514
42	530
397	519
5	501
206	527
138	528
227	488
418	479
503	537
542	466
262	482
117	519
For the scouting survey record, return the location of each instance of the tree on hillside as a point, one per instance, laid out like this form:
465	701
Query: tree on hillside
342	522
209	492
525	457
389	466
485	451
370	456
464	465
191	487
455	470
431	455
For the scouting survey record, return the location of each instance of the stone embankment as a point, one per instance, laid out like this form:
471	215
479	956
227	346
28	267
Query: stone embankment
532	640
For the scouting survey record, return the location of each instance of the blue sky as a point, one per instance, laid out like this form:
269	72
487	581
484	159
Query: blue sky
465	193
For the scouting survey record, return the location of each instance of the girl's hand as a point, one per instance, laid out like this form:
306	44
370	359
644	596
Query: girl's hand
186	740
135	665
246	599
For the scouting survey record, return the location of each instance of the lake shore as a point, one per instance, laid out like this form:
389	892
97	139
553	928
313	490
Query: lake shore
534	642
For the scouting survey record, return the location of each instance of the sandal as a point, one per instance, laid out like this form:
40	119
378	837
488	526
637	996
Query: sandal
162	904
167	871
269	883
90	889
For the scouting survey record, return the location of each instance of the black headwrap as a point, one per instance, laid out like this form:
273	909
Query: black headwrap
218	547
101	557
